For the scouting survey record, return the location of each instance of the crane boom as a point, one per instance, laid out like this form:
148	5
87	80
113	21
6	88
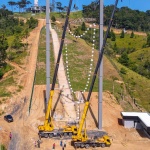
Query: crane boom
79	135
48	125
61	46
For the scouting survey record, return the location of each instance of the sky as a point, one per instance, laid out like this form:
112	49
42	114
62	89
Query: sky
141	5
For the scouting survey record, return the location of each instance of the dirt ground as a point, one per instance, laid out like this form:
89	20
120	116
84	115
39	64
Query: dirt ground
24	128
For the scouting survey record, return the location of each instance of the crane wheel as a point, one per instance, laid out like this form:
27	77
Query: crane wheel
46	135
51	135
82	145
87	146
77	145
94	145
70	134
103	145
65	134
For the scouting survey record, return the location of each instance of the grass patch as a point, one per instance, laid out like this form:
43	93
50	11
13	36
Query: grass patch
41	60
108	86
4	92
19	88
5	69
73	15
140	55
17	56
137	85
79	55
29	15
7	82
10	39
76	15
129	43
3	85
2	147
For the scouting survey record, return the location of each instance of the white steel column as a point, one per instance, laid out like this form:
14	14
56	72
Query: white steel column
101	66
47	51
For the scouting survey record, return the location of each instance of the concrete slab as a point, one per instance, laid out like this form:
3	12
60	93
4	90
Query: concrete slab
66	97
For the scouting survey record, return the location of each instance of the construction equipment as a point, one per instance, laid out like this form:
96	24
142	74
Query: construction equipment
47	130
81	139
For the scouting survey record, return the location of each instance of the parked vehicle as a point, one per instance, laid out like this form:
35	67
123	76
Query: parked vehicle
8	118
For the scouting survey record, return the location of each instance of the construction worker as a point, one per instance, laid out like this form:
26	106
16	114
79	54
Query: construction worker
10	135
35	143
38	143
64	143
63	148
61	143
54	146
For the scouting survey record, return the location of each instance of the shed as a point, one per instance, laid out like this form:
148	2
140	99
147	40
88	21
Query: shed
138	120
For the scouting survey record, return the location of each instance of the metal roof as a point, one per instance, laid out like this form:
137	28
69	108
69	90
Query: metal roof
143	116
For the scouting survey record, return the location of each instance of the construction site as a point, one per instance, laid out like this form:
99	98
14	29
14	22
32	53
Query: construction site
47	116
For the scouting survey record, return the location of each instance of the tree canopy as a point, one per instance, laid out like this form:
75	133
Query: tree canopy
124	16
3	47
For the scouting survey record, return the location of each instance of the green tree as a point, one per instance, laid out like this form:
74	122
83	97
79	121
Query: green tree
25	34
65	8
123	71
53	18
147	65
77	32
132	35
75	7
3	7
124	59
59	6
113	36
3	48
32	23
83	26
122	34
16	44
148	40
109	34
124	16
17	29
115	48
12	3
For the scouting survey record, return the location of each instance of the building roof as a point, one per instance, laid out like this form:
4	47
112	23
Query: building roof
143	116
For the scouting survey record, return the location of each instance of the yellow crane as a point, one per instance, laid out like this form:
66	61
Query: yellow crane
47	130
81	138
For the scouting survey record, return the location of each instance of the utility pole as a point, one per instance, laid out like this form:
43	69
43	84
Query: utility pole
101	65
47	51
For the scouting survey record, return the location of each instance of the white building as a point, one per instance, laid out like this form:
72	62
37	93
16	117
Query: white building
137	120
35	8
36	3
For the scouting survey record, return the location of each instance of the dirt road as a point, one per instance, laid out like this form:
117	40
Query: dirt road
23	131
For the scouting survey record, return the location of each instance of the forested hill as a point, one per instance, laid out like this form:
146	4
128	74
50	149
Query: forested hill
124	17
12	31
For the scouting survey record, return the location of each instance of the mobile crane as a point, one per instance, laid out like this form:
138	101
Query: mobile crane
47	130
81	139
